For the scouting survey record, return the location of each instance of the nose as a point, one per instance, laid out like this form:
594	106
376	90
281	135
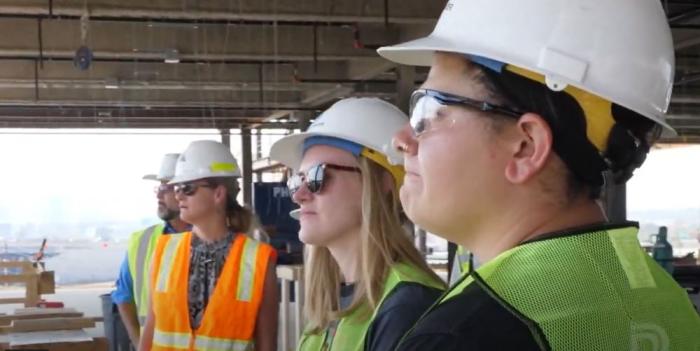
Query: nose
179	196
302	195
404	141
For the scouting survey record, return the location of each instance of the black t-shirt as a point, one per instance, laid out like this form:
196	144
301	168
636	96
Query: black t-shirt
475	320
397	314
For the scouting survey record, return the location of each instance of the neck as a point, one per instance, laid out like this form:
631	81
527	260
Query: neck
179	225
211	230
347	254
521	223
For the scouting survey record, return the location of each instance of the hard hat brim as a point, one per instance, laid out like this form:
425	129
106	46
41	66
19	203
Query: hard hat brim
289	150
418	52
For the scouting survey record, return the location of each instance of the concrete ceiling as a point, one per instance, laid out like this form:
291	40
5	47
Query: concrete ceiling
241	62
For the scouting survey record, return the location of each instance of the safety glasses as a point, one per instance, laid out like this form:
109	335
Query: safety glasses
314	177
426	103
189	189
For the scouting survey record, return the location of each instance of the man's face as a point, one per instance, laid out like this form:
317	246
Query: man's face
167	204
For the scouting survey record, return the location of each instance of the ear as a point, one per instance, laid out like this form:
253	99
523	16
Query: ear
220	196
530	146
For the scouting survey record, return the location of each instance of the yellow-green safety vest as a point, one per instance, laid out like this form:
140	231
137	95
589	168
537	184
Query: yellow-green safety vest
140	249
591	291
351	330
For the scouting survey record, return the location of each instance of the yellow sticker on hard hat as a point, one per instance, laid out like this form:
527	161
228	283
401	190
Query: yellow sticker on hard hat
396	171
222	167
597	111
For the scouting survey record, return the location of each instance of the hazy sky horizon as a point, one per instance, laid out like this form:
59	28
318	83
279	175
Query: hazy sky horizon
96	174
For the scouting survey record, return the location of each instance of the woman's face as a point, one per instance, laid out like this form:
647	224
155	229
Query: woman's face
453	169
333	214
196	200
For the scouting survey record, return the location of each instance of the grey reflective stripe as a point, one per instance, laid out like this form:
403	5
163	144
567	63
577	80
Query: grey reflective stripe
141	253
172	340
142	321
166	263
247	269
216	344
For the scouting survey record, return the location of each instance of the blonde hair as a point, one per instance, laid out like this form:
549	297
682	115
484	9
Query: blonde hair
383	243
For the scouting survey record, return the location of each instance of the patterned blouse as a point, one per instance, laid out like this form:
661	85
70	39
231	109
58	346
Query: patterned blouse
206	262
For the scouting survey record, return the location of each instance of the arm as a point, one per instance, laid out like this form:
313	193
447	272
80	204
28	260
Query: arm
127	311
124	299
266	325
147	337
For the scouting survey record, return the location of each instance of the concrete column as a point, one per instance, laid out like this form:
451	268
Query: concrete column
247	166
225	137
405	85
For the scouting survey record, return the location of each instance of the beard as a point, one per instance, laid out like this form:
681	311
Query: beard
167	214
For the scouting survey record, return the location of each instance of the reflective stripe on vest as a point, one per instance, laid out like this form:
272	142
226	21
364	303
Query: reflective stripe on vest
230	316
351	330
172	340
217	344
167	263
245	277
141	271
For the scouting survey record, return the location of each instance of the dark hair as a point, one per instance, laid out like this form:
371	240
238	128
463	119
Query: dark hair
628	143
238	217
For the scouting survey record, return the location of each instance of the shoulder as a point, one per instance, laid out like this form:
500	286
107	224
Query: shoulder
475	319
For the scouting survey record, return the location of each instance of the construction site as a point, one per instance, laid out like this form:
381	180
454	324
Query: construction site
106	108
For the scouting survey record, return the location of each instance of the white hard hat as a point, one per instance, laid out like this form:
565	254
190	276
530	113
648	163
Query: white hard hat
167	169
370	122
620	50
205	159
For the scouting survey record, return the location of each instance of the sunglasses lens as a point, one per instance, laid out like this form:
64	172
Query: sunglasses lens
294	183
314	178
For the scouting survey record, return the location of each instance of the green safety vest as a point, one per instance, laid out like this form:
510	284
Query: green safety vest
351	330
593	291
140	249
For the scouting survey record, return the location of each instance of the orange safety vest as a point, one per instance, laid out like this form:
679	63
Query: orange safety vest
229	318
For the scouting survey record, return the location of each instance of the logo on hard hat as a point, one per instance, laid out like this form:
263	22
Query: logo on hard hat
449	6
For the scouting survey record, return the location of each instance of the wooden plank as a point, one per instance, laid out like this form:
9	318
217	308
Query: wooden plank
12	300
17	278
16	264
47	283
7	320
39	311
48	324
48	337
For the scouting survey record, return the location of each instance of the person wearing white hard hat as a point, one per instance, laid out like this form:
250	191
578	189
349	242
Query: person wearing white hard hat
365	281
131	294
213	288
526	105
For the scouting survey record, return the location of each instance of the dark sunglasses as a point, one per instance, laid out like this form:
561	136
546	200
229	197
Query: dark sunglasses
314	177
425	103
189	189
163	188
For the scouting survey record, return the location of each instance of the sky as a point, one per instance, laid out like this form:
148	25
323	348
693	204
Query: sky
83	175
669	179
92	175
